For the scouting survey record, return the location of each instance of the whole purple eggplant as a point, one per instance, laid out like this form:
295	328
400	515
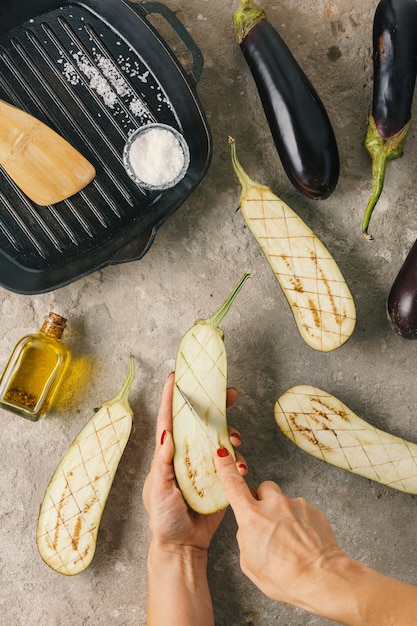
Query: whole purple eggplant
402	299
298	121
395	69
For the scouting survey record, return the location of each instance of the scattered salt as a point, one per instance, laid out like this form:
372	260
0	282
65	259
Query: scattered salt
106	78
97	82
114	77
137	107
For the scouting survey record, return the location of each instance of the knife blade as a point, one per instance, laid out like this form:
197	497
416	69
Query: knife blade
198	418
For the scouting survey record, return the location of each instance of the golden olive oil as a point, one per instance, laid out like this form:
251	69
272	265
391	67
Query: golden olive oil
34	370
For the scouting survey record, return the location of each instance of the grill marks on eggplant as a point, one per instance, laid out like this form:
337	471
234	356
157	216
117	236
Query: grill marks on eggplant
395	69
201	373
298	121
324	427
320	299
75	498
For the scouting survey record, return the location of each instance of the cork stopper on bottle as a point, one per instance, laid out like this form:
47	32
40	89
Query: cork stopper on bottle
54	325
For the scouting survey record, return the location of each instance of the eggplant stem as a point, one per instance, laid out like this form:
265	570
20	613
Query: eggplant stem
123	394
245	180
221	312
379	166
381	150
247	16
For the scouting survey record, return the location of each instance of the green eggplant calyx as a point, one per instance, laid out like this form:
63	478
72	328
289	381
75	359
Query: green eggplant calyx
246	18
123	395
243	177
381	149
221	312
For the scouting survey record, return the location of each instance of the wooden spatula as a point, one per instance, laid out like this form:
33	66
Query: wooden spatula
41	162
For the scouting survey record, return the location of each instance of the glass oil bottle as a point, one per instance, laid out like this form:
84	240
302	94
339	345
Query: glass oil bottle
35	370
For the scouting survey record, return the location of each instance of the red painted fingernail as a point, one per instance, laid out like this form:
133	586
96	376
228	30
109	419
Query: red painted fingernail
163	437
222	452
242	466
234	434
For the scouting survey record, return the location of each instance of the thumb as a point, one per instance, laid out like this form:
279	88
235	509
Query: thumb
162	469
165	451
234	485
159	481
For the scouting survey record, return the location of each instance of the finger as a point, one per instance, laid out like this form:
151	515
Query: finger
234	436
241	465
231	396
161	477
164	419
234	485
165	451
162	473
268	489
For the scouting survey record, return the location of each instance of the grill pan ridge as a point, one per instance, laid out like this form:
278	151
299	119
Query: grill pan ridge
95	72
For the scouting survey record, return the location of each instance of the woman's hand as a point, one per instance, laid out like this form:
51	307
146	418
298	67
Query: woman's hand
177	559
283	543
171	521
288	549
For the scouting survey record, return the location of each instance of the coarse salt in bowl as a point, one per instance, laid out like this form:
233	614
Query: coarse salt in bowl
156	156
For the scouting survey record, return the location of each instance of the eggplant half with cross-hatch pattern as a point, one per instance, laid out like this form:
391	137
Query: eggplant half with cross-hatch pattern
201	376
310	278
74	500
323	426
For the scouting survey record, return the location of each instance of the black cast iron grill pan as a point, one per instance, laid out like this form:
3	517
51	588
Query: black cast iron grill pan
94	71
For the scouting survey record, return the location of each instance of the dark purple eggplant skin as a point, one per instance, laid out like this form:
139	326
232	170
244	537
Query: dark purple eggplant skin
298	121
402	299
395	64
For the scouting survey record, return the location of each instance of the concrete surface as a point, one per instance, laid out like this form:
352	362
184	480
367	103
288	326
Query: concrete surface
144	307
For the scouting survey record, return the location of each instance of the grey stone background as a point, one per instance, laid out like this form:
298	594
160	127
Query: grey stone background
144	307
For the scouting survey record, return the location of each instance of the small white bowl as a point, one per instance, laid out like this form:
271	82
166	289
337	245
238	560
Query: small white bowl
156	156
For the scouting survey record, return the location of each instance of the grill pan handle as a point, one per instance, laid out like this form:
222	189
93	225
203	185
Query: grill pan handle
183	34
